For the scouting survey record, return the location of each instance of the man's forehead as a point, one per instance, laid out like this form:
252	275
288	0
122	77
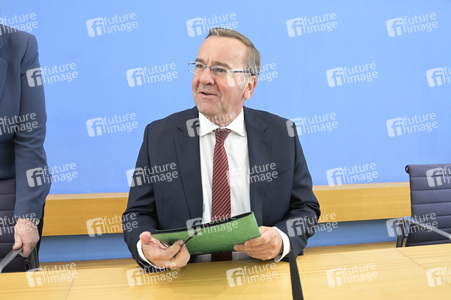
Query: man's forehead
223	50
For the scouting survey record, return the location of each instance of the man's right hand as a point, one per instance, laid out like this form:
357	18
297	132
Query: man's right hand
175	256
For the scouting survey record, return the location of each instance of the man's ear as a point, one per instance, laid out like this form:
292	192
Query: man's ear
250	87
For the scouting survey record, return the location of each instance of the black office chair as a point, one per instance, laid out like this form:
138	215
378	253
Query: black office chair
430	195
18	264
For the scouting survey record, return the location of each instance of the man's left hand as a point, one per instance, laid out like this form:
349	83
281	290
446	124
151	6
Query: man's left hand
267	246
26	236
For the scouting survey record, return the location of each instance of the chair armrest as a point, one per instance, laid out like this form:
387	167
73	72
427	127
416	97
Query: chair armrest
428	227
32	261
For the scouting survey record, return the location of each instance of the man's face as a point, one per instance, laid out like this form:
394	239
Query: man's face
215	96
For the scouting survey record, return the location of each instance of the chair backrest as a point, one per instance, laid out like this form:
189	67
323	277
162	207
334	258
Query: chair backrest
430	195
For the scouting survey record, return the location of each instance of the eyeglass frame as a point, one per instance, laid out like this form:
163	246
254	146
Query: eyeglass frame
213	68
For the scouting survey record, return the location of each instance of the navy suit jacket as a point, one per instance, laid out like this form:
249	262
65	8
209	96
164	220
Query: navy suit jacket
165	205
21	150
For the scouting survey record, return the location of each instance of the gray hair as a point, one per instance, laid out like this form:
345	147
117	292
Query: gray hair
253	56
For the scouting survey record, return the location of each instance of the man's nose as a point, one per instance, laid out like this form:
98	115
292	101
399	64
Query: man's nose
206	77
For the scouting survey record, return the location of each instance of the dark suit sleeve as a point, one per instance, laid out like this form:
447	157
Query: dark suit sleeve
304	207
29	141
141	214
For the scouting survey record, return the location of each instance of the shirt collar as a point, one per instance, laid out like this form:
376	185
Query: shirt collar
237	125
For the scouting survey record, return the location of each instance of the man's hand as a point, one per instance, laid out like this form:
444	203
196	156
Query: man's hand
26	236
175	256
267	246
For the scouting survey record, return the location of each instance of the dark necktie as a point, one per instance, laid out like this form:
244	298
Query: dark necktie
220	204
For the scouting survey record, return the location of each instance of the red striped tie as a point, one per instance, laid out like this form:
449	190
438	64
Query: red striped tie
220	204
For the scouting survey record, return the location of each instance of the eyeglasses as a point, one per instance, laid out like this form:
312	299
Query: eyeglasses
217	71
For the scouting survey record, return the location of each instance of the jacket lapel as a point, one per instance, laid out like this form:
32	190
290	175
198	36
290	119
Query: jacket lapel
258	144
188	155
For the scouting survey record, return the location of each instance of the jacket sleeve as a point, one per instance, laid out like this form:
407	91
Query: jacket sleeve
304	211
33	179
141	214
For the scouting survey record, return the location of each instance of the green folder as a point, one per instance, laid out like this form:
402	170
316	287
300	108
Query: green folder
218	236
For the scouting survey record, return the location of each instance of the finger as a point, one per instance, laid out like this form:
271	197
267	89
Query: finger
27	247
26	250
17	242
147	240
263	252
244	248
160	245
174	249
264	238
264	229
158	255
182	257
263	255
145	237
177	260
255	242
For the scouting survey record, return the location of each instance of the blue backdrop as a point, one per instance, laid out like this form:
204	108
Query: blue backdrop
367	83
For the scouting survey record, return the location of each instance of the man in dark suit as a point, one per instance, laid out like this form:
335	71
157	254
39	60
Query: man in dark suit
22	133
266	169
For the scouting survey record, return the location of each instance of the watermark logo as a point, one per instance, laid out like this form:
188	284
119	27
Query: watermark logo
314	124
427	219
192	126
196	227
56	274
268	72
409	125
350	75
115	224
8	224
34	77
392	227
111	25
306	225
38	176
21	123
353	174
135	77
195	27
58	173
200	26
438	76
354	274
149	75
410	25
110	125
238	79
157	173
248	275
54	74
438	276
438	176
139	276
309	25
26	22
253	174
64	173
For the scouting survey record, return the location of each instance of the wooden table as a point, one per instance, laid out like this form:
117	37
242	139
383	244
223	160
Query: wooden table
395	273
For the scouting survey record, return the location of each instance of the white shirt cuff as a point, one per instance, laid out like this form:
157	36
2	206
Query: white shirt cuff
141	255
286	245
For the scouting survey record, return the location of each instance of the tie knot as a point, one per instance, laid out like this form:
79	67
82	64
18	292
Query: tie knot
221	134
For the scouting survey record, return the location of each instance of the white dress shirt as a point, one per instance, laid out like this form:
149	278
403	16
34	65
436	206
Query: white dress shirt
238	158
